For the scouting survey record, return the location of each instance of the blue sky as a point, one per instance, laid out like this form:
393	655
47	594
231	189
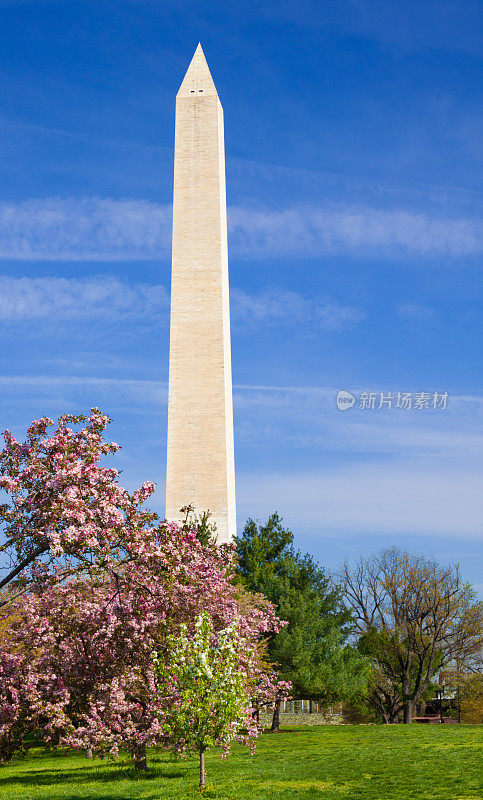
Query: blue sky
354	190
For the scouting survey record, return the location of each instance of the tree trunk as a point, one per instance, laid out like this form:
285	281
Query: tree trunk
140	761
26	561
276	717
408	711
256	715
202	768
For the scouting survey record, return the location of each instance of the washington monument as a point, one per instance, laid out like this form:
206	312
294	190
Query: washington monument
200	463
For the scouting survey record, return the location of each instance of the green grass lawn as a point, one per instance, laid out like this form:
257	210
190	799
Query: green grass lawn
427	762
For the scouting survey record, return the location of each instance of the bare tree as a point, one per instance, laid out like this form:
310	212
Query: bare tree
413	617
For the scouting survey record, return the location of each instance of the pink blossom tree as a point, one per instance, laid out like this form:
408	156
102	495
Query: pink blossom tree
269	689
100	588
66	511
103	637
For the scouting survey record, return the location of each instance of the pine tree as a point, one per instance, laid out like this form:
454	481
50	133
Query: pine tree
312	650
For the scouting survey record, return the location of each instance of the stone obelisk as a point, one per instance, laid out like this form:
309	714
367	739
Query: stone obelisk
200	463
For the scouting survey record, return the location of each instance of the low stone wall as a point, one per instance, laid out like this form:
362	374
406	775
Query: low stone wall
303	719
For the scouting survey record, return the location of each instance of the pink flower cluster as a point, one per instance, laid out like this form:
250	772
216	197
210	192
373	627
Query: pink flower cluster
63	502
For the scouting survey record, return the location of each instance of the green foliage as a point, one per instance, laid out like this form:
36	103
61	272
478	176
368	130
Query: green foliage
384	695
262	552
205	530
414	617
360	712
312	650
326	762
210	684
471	698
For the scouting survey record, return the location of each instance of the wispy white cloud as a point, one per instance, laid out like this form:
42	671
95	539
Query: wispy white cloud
327	394
277	305
306	420
412	312
96	229
89	229
369	499
57	299
295	399
15	381
115	391
106	298
308	231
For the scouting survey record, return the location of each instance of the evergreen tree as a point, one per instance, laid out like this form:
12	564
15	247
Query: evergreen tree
312	651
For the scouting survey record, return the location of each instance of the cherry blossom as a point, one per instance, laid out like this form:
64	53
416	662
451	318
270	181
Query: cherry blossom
101	591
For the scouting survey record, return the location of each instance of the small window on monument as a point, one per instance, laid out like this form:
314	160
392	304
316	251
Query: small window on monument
200	90
192	91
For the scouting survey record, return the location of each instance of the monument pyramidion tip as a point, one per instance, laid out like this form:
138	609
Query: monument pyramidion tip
198	83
